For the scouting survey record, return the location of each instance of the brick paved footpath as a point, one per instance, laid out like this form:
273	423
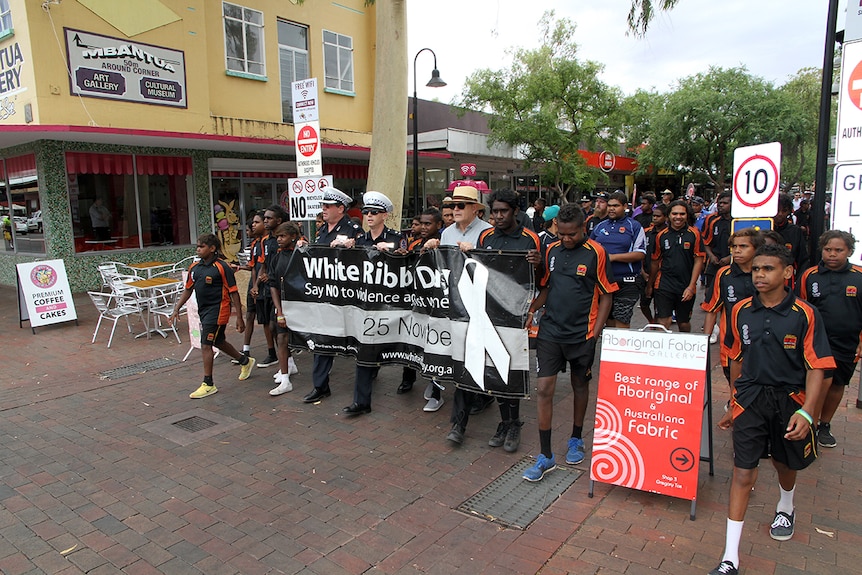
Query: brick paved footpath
301	489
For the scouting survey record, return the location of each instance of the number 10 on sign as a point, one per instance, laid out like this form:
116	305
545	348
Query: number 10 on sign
756	171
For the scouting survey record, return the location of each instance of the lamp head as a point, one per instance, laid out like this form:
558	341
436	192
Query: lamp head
435	81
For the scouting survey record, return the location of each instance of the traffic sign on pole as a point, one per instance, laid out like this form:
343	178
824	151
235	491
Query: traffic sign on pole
847	202
304	195
756	173
308	157
848	143
305	102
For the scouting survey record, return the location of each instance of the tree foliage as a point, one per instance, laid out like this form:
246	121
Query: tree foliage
643	11
797	126
697	127
549	104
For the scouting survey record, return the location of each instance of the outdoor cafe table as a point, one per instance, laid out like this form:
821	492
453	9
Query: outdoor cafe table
145	288
149	267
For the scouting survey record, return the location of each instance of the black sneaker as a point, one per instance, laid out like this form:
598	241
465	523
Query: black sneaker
824	435
268	361
724	568
782	526
499	437
236	361
513	438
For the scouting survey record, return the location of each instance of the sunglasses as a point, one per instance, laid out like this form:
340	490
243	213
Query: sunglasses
461	205
372	211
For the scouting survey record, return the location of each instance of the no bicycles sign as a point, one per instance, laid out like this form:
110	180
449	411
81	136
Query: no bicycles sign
756	172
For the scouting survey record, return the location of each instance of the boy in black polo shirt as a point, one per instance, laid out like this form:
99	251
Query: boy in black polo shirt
287	234
576	292
677	261
508	235
778	351
215	290
834	287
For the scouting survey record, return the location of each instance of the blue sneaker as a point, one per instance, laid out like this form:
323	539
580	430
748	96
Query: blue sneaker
542	466
575	454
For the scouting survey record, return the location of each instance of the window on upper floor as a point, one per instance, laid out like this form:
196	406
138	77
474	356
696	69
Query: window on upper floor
338	61
292	61
5	19
243	40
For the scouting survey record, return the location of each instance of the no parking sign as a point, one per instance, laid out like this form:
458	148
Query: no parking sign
756	172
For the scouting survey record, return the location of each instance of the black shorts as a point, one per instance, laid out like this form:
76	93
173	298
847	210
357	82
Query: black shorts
265	310
280	330
758	432
551	358
842	373
624	300
212	335
666	303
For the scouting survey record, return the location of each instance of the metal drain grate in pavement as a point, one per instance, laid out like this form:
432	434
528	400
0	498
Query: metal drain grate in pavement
515	502
136	368
194	424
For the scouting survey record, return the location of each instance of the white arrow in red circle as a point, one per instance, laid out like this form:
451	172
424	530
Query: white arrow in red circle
306	141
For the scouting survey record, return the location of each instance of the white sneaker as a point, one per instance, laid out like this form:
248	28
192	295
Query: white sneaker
291	367
713	338
277	375
433	404
429	389
283	387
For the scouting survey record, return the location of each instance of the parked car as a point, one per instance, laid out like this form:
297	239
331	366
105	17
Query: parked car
20	224
34	224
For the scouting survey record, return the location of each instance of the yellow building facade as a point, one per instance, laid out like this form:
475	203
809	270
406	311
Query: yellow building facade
128	127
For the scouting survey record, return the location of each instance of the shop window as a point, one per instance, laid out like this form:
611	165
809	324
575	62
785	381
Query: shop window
120	201
292	61
243	40
20	213
338	62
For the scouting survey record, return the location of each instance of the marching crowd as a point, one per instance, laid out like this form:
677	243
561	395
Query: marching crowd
789	334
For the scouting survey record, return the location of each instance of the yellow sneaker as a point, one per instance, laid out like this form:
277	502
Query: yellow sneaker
203	391
245	370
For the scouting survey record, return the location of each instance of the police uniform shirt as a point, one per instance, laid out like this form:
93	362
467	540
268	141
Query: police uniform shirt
621	236
731	286
213	283
520	240
677	250
838	296
776	345
453	235
344	227
575	279
716	235
389	236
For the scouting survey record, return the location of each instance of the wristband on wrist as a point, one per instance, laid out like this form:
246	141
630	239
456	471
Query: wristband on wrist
804	414
279	317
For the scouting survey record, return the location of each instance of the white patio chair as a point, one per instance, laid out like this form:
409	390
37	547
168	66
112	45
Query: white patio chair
111	309
163	307
108	270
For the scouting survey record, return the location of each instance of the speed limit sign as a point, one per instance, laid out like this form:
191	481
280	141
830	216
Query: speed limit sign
756	171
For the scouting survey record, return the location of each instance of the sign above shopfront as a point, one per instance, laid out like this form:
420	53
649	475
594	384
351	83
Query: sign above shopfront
119	69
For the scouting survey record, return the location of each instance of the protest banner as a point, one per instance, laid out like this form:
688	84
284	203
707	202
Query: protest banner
453	316
649	411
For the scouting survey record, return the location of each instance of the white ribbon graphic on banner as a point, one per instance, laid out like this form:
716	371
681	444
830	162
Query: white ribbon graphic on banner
481	335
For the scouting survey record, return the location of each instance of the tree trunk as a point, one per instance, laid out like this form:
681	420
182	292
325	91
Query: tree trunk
388	163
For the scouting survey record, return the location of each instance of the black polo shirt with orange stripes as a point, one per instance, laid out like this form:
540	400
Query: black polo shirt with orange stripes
716	235
776	345
213	283
575	278
731	286
838	296
677	251
522	239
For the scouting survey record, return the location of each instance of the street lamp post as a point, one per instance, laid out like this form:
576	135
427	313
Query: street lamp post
434	82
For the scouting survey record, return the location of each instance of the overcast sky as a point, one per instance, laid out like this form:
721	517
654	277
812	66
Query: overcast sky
772	38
